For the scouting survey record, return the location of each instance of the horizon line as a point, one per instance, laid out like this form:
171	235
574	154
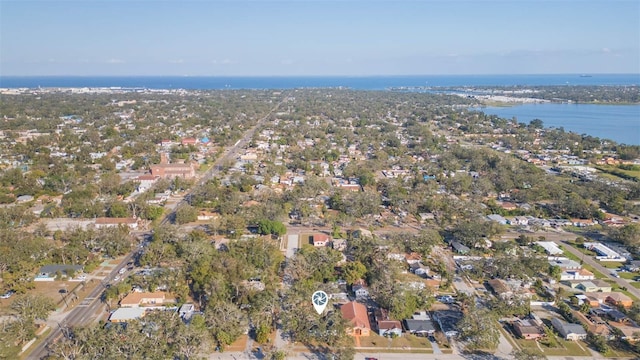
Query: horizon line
326	75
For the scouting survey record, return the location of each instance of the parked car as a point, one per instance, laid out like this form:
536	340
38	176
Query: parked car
7	295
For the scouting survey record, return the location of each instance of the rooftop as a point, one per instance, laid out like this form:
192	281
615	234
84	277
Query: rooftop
356	313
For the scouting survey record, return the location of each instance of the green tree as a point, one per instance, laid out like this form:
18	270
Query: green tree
352	271
33	307
479	330
117	209
225	322
153	212
272	227
599	342
186	214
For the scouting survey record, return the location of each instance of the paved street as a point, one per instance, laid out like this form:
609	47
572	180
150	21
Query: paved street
596	265
85	312
82	314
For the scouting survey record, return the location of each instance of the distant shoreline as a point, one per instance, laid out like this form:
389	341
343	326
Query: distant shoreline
292	82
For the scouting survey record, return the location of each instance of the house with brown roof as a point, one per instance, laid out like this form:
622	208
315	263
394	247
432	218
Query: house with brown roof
508	205
500	288
527	329
619	299
412	258
594	324
387	326
629	332
612	298
146	299
170	171
358	318
189	141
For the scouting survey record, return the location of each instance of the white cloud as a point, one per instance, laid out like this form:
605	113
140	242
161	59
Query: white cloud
179	61
115	61
287	62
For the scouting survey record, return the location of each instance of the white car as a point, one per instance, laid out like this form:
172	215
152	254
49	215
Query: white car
7	295
82	277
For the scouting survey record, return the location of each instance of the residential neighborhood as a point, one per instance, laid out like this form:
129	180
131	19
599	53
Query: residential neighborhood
212	216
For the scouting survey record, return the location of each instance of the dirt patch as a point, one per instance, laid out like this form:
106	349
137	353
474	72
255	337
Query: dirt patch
50	289
239	345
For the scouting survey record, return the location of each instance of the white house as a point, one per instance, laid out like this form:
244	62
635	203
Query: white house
573	275
146	182
360	291
519	220
604	253
564	263
97	155
550	247
104	222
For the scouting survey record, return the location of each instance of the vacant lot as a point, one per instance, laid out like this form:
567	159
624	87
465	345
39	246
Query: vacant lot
59	291
50	289
238	345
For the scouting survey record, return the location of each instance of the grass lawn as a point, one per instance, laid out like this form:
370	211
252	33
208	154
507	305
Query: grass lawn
627	275
635	284
304	238
619	353
611	264
568	348
614	169
405	342
527	344
564	348
584	251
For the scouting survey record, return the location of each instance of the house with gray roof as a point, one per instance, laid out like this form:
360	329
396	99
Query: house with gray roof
419	327
448	321
569	331
49	272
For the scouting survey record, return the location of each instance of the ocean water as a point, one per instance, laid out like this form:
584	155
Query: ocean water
289	82
620	123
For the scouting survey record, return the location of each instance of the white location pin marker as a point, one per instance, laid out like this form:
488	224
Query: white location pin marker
320	299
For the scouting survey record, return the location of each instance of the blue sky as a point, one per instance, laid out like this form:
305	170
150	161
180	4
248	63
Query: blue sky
350	37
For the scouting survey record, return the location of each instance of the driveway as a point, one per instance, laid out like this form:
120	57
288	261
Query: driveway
292	245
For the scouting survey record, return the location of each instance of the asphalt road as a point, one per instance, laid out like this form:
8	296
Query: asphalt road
229	153
85	312
82	314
